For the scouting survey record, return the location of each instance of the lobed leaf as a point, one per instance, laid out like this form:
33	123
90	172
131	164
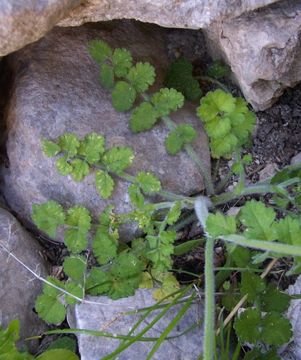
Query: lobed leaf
63	166
177	138
122	62
143	118
252	285
104	184
50	148
141	76
69	143
148	182
174	213
48	216
80	169
50	309
99	51
104	246
118	158
74	267
92	147
219	224
136	197
167	100
106	76
123	96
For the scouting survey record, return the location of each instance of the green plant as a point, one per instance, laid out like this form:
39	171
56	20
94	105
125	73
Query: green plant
147	261
9	350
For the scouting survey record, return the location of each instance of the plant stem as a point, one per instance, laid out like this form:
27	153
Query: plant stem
209	336
213	81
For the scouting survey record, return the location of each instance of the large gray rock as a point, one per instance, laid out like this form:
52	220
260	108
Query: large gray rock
263	49
56	90
18	287
109	316
25	21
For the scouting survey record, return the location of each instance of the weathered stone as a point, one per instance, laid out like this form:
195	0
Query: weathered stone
263	49
25	21
109	316
56	90
18	287
296	159
293	349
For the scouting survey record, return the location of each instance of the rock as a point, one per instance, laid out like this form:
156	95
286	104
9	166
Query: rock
25	21
233	211
56	90
108	316
263	49
18	287
296	159
268	171
293	349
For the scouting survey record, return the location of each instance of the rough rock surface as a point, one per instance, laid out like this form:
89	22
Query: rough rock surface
56	90
108	317
292	350
25	21
18	287
263	49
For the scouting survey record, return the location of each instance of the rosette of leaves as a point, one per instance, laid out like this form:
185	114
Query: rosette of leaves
180	77
227	121
77	158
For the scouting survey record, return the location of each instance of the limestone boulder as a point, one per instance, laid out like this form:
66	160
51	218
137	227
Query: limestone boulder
109	315
25	21
263	49
56	90
19	287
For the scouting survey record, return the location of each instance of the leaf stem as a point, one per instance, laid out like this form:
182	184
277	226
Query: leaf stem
209	322
213	81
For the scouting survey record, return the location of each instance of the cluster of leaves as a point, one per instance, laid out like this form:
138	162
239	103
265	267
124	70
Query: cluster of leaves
77	157
120	269
228	122
127	81
9	350
263	321
218	70
180	77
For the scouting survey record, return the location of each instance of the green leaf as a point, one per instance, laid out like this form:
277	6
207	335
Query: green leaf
63	166
99	51
218	70
76	240
287	173
104	184
50	148
80	169
106	76
275	300
167	100
219	224
141	76
143	118
180	77
48	216
148	182
187	246
64	342
136	197
118	158
79	217
52	290
289	231
58	354
169	285
74	289
248	326
92	147
256	354
123	96
69	143
180	136
276	330
240	255
174	213
98	282
258	220
122	61
126	265
252	285
104	246
218	128
74	267
50	309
